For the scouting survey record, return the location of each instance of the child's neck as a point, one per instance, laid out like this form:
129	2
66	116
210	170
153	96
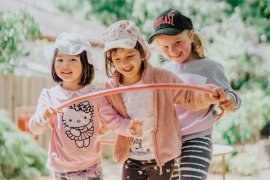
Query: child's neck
128	81
71	86
192	57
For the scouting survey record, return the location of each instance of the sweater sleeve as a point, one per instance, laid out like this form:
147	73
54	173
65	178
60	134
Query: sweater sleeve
189	99
37	123
109	116
219	78
194	100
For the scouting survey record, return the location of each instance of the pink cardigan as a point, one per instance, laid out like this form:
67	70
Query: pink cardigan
166	132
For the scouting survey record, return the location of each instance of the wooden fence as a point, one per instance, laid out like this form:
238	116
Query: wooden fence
20	91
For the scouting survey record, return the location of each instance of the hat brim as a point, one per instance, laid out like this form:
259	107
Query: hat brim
166	31
127	44
121	43
49	52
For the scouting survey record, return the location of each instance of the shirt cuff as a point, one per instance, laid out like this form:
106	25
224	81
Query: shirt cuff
237	102
42	121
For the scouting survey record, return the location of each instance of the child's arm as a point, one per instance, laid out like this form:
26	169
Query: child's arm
39	121
191	99
117	123
196	100
218	77
135	128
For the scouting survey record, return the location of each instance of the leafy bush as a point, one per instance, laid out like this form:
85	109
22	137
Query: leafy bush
242	126
14	30
20	155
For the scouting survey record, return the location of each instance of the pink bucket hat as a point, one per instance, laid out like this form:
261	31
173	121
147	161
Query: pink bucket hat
124	34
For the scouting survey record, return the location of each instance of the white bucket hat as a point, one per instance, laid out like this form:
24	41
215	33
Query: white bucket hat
124	34
71	44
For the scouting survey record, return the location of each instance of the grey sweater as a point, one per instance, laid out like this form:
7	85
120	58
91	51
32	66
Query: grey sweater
203	71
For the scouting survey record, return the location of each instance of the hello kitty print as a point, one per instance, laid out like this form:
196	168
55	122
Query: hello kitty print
77	120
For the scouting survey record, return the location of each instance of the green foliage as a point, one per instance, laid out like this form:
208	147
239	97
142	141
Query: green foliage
20	155
73	7
241	127
235	3
237	47
14	30
255	13
109	11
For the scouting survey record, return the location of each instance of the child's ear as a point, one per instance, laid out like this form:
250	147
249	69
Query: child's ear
191	35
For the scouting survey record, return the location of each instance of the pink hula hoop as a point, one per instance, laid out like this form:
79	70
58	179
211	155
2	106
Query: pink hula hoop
135	88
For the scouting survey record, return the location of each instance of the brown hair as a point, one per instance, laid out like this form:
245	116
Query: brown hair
198	46
88	72
108	60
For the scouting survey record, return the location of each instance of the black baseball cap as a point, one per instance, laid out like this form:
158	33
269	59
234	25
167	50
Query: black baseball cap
170	22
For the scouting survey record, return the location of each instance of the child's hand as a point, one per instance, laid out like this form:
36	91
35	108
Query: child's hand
49	113
228	104
219	94
135	126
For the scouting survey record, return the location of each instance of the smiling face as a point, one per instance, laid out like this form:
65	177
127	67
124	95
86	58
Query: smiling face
176	48
68	68
128	63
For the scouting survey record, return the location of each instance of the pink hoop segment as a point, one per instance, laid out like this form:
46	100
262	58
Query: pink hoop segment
136	88
107	141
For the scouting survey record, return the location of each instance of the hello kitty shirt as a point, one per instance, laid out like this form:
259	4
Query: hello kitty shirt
73	142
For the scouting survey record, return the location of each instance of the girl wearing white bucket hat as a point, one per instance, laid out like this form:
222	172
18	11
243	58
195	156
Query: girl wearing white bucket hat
73	146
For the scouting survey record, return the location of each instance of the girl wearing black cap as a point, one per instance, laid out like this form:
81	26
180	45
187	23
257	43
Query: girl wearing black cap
175	37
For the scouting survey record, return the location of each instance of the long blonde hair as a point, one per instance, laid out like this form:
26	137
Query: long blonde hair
198	47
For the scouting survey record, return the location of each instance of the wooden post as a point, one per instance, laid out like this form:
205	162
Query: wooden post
224	168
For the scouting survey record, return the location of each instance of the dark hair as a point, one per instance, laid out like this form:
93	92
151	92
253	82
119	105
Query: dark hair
88	72
108	60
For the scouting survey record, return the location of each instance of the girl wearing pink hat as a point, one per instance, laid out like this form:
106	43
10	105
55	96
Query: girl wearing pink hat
152	155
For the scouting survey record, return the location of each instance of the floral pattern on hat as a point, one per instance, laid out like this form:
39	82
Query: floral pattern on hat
123	34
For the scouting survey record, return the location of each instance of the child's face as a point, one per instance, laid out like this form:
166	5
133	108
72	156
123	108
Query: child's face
128	63
176	48
68	67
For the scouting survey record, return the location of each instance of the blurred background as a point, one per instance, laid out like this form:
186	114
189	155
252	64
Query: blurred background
237	34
